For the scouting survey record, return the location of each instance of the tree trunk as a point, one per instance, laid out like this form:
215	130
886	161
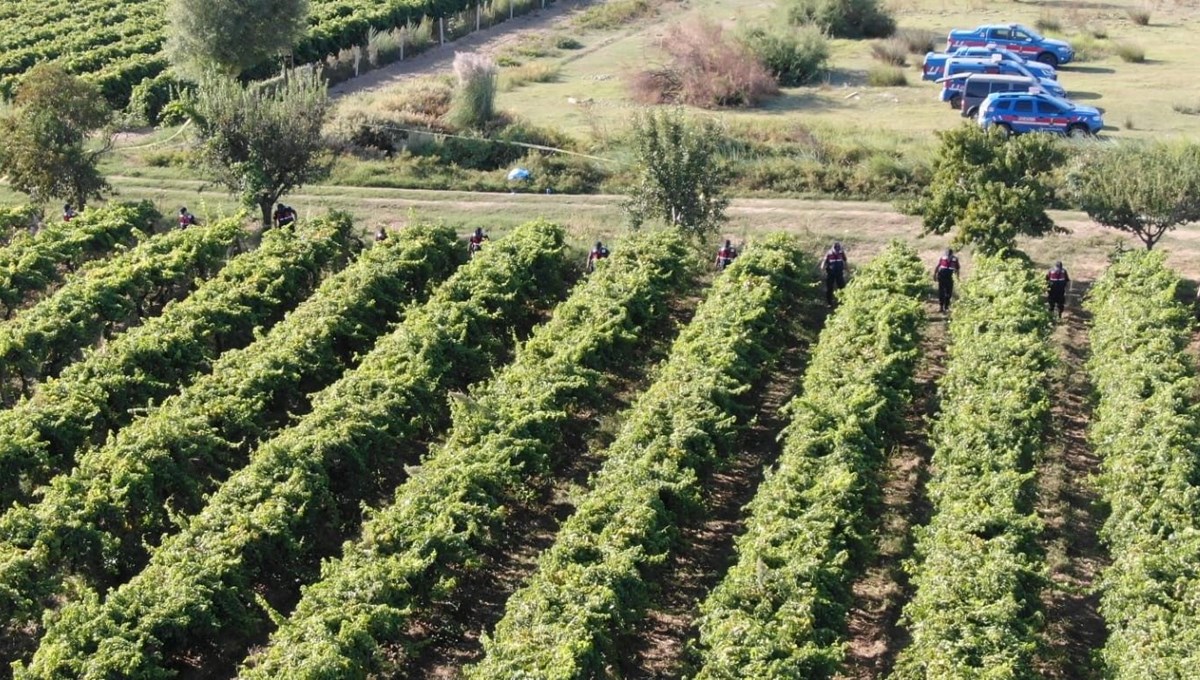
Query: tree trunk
265	204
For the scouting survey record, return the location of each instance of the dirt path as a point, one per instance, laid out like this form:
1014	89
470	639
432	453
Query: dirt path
881	593
1067	504
440	58
657	647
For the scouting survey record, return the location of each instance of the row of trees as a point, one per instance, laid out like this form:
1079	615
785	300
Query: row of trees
988	190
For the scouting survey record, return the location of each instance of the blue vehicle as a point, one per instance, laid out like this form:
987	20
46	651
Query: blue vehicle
1019	112
952	82
935	62
1017	38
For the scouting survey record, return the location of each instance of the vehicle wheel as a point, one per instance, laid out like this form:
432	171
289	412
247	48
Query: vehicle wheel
956	102
1048	58
1006	129
1078	131
972	112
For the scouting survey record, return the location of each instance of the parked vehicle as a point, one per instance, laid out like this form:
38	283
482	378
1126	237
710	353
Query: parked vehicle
1016	113
952	87
1016	38
935	62
977	87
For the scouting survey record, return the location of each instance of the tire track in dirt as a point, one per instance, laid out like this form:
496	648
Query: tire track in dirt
874	634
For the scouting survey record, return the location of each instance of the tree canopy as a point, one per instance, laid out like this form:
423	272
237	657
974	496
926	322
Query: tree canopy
988	189
262	141
1145	190
680	178
45	152
231	36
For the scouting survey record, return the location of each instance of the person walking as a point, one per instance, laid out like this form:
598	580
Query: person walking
598	253
725	256
186	219
380	234
834	265
475	242
944	272
1057	281
69	213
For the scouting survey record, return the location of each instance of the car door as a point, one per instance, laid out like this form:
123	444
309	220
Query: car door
1052	115
1024	116
1022	43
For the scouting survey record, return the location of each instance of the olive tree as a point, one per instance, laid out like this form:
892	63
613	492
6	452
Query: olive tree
46	151
679	176
988	189
262	141
1145	190
230	36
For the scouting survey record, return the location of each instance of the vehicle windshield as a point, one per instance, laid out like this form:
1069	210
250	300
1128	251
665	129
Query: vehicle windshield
1029	31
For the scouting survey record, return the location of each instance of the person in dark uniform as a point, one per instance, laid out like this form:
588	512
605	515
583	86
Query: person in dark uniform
597	253
834	265
944	272
726	254
1057	281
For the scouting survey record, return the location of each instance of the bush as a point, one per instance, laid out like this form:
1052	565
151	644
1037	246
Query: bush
891	51
1088	48
918	40
706	68
614	14
566	42
1096	29
886	76
474	103
1186	109
537	72
1048	22
1130	53
1139	15
793	57
843	18
149	97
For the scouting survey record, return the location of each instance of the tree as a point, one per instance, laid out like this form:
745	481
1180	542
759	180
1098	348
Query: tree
843	18
679	176
262	141
1146	190
44	153
989	189
231	36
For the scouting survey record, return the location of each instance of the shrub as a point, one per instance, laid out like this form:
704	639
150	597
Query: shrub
537	72
891	51
608	15
886	76
843	18
706	68
1130	53
149	97
793	57
918	40
1139	15
1048	22
1186	109
474	103
1088	48
1096	29
566	42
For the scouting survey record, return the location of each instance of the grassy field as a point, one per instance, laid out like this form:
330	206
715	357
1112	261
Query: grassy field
1138	98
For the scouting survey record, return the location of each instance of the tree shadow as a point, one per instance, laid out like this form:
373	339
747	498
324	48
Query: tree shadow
1082	96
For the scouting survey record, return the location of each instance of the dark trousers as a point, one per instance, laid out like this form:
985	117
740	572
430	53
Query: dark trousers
1057	297
835	279
945	291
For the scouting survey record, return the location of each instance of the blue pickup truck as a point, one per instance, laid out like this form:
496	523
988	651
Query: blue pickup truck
935	62
1017	38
